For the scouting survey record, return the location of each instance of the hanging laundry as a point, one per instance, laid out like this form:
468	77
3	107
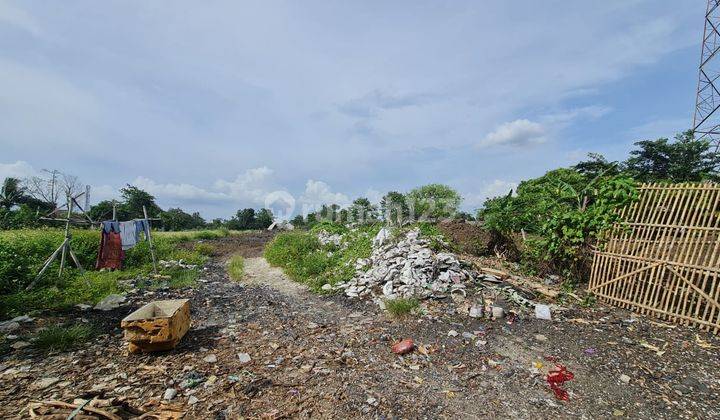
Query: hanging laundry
128	233
110	254
142	226
111	226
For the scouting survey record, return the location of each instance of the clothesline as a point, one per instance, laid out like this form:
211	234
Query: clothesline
117	237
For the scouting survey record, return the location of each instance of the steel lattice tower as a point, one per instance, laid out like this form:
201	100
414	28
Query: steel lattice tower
706	123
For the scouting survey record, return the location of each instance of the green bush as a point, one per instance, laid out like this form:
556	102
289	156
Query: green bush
562	213
204	249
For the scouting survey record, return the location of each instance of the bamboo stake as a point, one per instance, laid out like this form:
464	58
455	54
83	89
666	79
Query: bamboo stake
149	237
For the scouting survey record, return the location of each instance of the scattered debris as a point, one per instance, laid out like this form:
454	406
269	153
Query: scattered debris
408	268
556	378
403	347
176	264
624	379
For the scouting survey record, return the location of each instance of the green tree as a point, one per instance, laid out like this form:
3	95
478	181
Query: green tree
245	219
102	211
597	165
264	219
394	209
298	221
362	211
134	199
11	193
684	160
433	202
177	219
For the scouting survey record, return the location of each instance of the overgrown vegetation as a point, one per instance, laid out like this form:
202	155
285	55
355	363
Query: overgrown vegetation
236	267
564	212
305	260
401	307
61	338
22	253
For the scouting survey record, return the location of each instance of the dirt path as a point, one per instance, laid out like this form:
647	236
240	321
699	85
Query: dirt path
329	357
258	272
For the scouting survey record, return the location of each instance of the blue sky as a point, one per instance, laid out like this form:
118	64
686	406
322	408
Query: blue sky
215	106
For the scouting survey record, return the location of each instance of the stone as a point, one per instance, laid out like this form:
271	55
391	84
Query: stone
19	345
498	312
476	311
22	318
193	400
452	333
210	358
111	302
468	336
44	383
326	287
169	394
159	325
624	379
83	307
244	358
542	312
541	338
9	326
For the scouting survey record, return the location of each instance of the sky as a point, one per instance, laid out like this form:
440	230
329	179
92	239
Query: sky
220	105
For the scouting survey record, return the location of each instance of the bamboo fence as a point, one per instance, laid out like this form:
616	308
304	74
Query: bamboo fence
663	258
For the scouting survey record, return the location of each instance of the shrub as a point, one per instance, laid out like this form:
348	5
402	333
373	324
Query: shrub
204	249
236	267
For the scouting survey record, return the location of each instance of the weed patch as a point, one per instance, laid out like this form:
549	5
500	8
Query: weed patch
236	267
62	338
401	307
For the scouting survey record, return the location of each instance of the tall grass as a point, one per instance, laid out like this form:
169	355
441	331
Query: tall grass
236	267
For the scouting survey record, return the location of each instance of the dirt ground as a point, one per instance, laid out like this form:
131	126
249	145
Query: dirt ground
329	357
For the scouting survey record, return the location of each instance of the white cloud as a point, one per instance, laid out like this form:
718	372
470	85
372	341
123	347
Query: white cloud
495	188
318	193
18	18
178	192
516	133
19	169
252	186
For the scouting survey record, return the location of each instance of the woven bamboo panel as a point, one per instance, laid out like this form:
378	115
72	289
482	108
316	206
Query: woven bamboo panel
663	259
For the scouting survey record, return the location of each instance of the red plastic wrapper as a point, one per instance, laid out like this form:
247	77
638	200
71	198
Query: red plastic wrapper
403	347
556	378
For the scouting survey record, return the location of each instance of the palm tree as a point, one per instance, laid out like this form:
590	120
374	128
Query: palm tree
11	193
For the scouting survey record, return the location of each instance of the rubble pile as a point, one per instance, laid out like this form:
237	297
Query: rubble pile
408	268
327	238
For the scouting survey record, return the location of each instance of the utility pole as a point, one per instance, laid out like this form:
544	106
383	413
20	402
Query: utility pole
706	121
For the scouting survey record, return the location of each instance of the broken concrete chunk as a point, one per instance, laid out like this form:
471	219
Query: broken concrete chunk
169	394
542	312
210	358
244	358
111	302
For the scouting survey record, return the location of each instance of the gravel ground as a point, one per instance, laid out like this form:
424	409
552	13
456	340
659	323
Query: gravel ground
314	356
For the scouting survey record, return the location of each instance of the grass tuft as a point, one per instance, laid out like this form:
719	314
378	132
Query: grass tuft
401	307
62	338
236	267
